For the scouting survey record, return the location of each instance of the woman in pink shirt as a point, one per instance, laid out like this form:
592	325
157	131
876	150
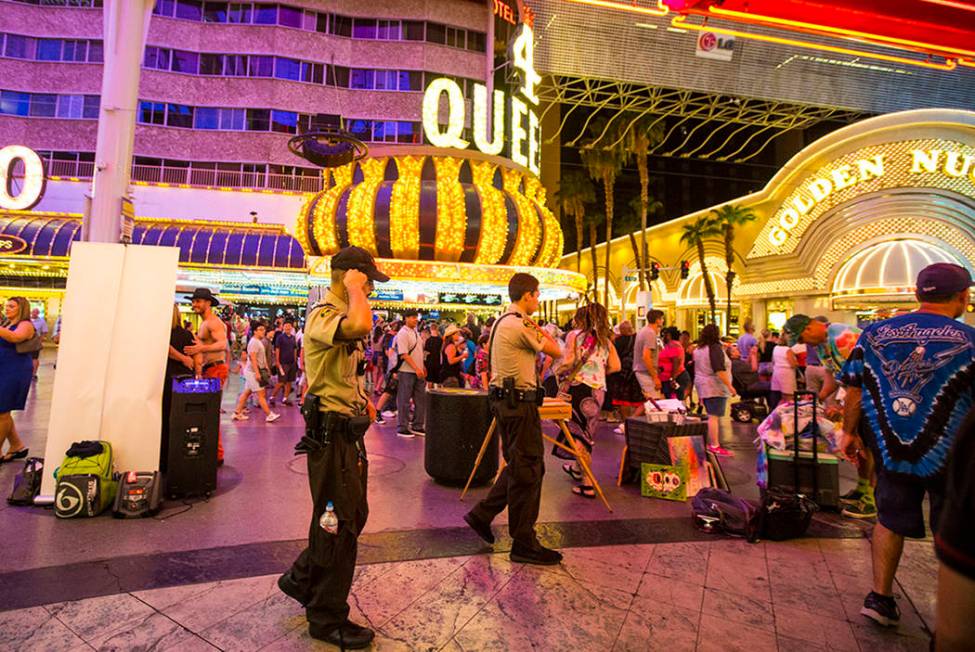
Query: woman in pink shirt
671	362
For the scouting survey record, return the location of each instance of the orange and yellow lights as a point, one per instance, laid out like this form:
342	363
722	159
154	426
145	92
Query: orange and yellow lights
323	225
362	203
681	23
494	214
451	210
552	239
404	208
529	227
660	9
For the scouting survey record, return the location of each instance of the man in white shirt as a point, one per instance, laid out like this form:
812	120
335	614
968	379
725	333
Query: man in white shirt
646	348
412	377
40	327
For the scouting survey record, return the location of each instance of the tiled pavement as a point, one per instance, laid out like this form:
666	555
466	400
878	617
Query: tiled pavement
718	595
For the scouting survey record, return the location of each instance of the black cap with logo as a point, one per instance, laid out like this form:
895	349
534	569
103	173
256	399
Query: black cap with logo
360	259
942	279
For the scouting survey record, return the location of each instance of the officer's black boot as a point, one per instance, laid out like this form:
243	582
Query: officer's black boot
536	554
348	636
291	588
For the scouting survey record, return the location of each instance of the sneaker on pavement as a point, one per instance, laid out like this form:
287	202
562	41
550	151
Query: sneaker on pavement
240	416
419	432
851	497
861	509
345	637
538	555
721	451
271	418
380	420
405	434
881	609
389	414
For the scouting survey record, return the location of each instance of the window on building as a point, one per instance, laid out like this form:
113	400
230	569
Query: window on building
92	106
157	58
258	119
387	80
285	68
211	64
265	14
95	52
19	47
410	80
388	30
43	105
340	25
260	66
71	106
239	13
436	33
310	20
189	9
407	132
206	117
164	8
184	61
290	16
232	119
364	28
235	65
321	25
362	78
337	76
152	113
75	50
48	49
312	73
361	129
477	41
14	103
215	12
325	121
285	122
180	115
413	30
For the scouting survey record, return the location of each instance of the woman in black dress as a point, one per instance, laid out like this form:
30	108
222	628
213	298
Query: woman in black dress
624	389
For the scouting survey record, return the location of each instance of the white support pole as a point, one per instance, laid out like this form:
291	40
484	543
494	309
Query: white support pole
126	23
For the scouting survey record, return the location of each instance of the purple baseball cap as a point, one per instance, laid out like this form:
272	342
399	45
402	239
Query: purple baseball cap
943	278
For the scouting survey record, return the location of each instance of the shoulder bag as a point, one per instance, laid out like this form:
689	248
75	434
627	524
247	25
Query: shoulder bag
32	345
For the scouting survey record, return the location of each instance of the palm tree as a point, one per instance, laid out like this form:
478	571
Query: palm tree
603	162
575	191
725	219
646	132
694	235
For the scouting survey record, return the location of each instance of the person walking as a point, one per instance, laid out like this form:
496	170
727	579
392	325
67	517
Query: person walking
646	351
286	361
16	372
674	379
211	344
40	327
337	414
412	378
910	381
589	356
514	398
624	390
747	341
257	376
712	380
431	354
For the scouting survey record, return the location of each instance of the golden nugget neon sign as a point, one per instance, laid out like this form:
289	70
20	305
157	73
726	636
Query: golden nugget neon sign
514	117
823	184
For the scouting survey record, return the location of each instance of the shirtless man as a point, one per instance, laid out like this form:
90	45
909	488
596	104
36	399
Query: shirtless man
211	343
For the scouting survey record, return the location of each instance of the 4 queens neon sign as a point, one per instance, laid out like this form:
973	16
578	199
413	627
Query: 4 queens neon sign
32	185
514	118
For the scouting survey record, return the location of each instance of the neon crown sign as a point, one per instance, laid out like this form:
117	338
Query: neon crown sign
514	117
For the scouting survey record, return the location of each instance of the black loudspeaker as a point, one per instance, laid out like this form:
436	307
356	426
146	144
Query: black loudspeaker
457	421
194	422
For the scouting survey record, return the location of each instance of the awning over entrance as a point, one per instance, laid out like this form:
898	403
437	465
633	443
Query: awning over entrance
212	244
886	271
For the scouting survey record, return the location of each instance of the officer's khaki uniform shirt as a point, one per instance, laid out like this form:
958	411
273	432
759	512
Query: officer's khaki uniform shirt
331	363
513	351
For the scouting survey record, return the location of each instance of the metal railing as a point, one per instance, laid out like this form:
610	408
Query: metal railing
193	176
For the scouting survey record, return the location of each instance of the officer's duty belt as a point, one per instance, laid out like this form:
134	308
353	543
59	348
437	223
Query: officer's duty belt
520	395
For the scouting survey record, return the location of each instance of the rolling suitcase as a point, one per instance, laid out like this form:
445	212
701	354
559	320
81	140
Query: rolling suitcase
809	473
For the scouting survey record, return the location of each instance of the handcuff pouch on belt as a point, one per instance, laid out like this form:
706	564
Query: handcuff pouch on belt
323	427
514	396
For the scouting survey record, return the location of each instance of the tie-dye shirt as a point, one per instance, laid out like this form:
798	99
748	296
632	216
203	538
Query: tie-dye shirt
917	373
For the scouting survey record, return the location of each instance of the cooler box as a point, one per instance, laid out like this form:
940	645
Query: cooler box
194	422
781	474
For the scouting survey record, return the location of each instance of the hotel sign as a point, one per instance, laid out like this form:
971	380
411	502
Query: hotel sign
20	194
11	244
910	164
514	118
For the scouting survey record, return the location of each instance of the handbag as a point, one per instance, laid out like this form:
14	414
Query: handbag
33	345
264	377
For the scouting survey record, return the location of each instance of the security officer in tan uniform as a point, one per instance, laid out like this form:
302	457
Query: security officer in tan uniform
515	395
337	414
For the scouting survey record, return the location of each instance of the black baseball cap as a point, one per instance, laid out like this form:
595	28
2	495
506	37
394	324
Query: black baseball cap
360	259
410	312
942	279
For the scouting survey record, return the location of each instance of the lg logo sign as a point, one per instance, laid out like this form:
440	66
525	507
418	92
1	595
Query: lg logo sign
20	194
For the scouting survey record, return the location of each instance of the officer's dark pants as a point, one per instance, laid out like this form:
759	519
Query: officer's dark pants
324	569
519	487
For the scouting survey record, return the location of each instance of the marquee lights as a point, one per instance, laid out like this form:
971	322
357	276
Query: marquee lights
33	182
529	228
494	214
324	227
451	209
362	203
404	208
524	129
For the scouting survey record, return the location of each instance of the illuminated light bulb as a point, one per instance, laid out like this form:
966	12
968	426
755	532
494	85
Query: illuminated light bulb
494	214
529	227
451	210
362	202
496	143
518	133
451	136
32	184
404	208
324	226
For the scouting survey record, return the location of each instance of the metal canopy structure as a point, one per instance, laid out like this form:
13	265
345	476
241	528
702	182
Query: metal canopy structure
711	126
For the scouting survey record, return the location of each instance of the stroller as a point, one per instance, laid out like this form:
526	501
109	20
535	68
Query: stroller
753	391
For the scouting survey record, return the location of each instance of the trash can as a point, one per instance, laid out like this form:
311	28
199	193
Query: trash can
457	420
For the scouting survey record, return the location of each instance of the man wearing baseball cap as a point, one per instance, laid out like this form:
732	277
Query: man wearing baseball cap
910	382
337	414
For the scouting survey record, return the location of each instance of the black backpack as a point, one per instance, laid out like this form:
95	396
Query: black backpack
27	484
785	514
716	510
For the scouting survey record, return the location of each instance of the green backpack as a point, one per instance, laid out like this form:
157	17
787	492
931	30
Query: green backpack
86	483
